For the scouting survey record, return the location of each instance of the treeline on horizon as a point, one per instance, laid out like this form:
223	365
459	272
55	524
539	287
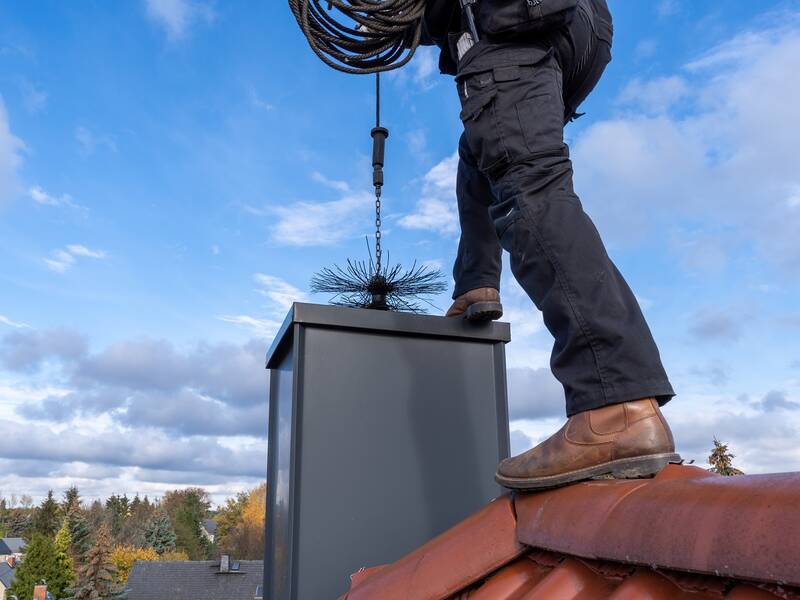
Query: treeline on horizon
86	550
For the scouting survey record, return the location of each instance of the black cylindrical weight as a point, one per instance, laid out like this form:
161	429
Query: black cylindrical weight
379	135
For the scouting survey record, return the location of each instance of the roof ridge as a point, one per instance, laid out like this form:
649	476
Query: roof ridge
685	527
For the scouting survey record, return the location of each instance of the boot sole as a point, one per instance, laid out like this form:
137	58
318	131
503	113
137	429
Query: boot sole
484	311
624	468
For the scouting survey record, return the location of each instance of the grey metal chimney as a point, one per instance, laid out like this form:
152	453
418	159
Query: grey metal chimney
385	429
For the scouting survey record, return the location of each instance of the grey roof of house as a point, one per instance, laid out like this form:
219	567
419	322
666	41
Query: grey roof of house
6	574
210	525
11	545
193	580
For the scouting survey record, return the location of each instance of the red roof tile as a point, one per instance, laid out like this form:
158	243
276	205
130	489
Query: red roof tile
465	553
512	581
693	535
685	519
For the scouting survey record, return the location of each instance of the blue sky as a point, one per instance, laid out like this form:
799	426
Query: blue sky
172	173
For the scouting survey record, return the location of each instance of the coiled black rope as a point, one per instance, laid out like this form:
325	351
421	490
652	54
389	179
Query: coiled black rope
378	35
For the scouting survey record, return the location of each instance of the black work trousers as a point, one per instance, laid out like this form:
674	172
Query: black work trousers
515	192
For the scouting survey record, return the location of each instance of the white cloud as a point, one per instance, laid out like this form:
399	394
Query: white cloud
322	223
265	328
335	184
437	210
257	101
667	8
16	325
519	442
425	64
417	141
280	295
177	16
78	250
727	160
655	96
62	260
40	196
528	349
717	324
10	159
33	98
762	432
433	263
645	48
421	74
793	199
90	141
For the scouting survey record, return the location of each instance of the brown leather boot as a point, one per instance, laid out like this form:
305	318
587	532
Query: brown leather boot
626	440
481	304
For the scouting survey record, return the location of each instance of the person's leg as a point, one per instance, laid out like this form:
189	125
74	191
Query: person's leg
476	270
604	353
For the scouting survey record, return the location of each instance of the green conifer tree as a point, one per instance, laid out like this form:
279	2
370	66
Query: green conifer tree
79	534
118	510
159	534
72	499
97	576
41	564
721	460
47	518
4	517
19	523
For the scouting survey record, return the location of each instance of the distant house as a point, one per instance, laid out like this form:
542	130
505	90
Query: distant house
7	568
196	580
209	529
11	546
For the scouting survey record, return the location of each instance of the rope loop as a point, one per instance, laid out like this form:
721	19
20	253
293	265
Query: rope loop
377	35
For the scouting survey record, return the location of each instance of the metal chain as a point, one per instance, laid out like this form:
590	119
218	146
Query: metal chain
377	230
377	187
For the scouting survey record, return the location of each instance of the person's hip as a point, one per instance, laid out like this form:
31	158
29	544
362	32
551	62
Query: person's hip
583	50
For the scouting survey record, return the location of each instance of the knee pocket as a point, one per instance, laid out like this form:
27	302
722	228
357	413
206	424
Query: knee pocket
541	126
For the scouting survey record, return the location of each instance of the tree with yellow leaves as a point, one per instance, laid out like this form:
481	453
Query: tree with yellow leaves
63	558
123	558
240	531
175	555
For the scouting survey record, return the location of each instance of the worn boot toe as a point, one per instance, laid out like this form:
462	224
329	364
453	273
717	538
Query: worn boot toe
480	304
625	440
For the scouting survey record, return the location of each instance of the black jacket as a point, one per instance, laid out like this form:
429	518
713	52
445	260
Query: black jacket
505	20
442	18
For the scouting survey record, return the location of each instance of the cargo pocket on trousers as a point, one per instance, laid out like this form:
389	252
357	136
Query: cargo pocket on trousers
482	130
542	122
